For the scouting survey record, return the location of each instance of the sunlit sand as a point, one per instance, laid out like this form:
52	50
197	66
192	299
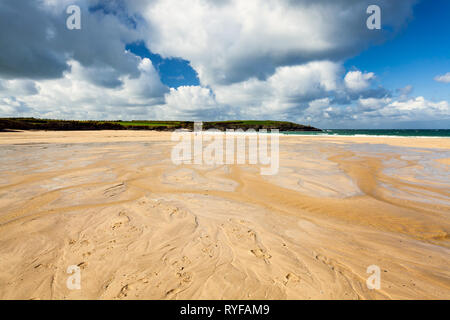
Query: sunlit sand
139	227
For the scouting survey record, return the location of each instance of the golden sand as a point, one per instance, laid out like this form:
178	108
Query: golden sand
140	227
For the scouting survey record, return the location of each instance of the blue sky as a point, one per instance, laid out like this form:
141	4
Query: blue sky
416	55
174	72
305	61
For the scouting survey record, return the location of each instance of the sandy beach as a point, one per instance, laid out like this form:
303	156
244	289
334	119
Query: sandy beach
140	227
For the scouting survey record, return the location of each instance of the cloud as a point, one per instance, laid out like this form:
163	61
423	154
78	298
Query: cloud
305	94
377	113
37	45
372	104
232	41
190	102
289	88
76	97
358	81
405	92
389	110
443	78
419	106
18	87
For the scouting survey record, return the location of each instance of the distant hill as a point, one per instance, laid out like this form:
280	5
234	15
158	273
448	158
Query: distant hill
72	125
257	125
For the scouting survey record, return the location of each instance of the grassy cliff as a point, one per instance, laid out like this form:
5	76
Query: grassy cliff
71	125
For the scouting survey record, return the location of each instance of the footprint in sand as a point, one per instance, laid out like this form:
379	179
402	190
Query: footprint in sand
185	277
124	291
261	254
120	221
291	278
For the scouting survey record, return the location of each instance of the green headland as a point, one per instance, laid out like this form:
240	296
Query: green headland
7	124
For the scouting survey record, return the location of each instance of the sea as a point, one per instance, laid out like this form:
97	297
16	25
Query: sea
376	132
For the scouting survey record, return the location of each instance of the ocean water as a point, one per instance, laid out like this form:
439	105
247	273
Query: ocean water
377	132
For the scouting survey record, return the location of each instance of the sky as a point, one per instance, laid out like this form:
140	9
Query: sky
307	61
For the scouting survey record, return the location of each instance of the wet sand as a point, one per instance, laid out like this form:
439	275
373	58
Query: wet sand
139	227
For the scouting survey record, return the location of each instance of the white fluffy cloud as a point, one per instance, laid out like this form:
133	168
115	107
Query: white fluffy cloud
400	110
371	104
445	78
419	106
232	41
75	96
358	81
189	103
288	88
376	112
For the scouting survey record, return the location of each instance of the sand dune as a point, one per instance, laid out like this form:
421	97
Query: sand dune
140	227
